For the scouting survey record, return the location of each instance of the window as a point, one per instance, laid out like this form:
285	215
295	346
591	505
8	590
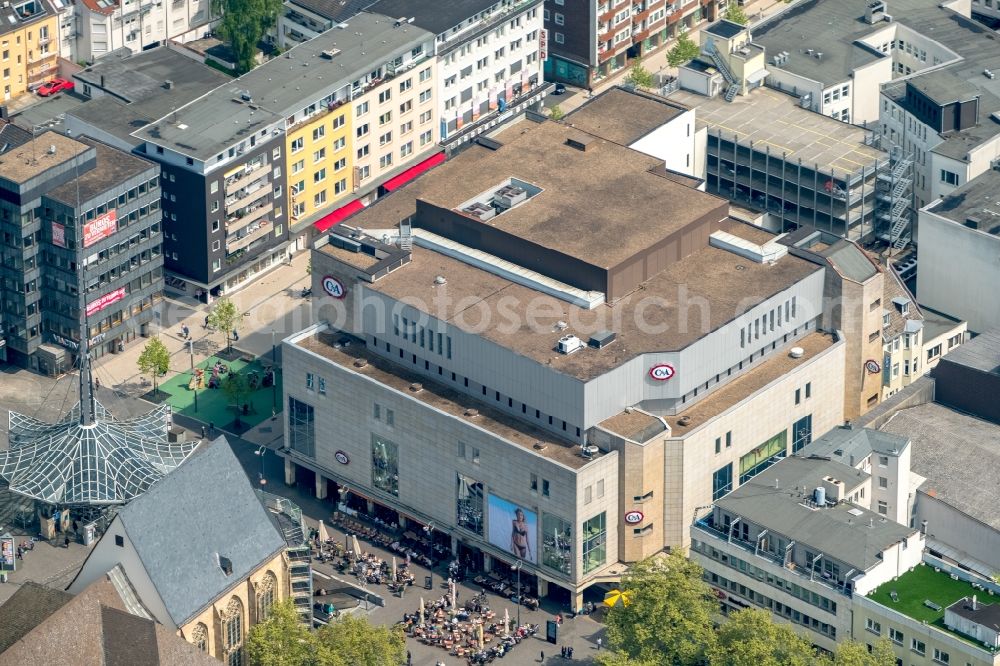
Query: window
560	19
363	151
729	439
385	118
340	164
883	461
406	106
534	482
883	482
405	85
425	96
873	626
918	646
298	166
385	160
949	177
557	544
722	481
319	176
339	121
801	433
406	149
425	74
298	144
339	144
426	137
896	636
385	138
301	427
545	487
265	595
362	130
310	381
595	536
361	109
319	132
469	504
319	155
319	198
475	455
933	352
883	507
941	657
763	456
322	386
232	632
559	38
390	417
718	444
119	541
385	465
798	396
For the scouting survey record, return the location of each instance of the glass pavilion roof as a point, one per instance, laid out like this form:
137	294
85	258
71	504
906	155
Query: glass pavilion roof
104	463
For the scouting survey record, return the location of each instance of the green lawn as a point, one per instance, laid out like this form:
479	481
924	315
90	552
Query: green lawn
921	584
213	405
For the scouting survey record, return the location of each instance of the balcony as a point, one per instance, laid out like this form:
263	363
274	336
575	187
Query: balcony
247	195
331	107
244	237
244	218
243	177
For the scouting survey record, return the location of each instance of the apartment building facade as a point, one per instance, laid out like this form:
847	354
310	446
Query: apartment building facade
801	541
29	45
297	149
102	26
82	250
587	40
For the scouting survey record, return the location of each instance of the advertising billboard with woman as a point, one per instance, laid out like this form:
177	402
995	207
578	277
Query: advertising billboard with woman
513	529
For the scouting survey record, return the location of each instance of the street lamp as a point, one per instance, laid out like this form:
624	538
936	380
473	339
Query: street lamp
261	450
193	378
517	567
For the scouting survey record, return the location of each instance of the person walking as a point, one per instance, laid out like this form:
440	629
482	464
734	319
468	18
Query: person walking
203	432
541	659
66	541
600	641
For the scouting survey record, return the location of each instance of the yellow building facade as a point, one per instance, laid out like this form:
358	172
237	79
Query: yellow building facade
28	46
221	628
319	159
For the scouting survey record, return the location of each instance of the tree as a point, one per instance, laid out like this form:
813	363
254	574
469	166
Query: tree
684	51
851	653
281	639
154	360
735	13
614	658
354	641
639	77
669	615
555	113
224	316
752	638
244	24
236	386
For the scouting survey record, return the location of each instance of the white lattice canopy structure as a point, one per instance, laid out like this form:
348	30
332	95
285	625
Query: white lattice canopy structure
91	459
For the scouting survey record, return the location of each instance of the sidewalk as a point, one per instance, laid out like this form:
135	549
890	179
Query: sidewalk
270	303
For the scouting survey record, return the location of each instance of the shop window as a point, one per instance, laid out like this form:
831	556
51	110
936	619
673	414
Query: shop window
301	428
470	504
385	465
557	544
763	456
595	536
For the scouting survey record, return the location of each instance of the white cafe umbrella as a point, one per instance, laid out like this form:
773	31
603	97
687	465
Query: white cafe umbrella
421	610
357	546
506	621
454	594
394	568
323	534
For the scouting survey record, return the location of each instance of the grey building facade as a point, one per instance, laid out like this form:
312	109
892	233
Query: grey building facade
82	243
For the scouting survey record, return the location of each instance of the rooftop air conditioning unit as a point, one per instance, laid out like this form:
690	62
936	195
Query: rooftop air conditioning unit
509	196
480	211
569	344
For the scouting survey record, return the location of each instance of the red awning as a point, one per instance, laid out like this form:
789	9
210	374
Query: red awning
338	216
396	182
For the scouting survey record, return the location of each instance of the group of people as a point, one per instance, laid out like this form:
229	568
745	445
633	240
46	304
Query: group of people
24	547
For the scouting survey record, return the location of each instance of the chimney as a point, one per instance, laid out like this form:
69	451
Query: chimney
975	603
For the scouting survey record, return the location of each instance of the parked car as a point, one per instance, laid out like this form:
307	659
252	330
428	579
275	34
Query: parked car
54	86
559	89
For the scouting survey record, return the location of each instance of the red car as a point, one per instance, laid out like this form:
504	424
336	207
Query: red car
54	86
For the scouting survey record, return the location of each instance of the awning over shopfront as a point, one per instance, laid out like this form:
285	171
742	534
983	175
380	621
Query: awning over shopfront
338	216
398	181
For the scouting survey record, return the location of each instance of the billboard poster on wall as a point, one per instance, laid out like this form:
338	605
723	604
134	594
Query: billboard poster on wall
58	234
513	529
7	562
100	228
105	300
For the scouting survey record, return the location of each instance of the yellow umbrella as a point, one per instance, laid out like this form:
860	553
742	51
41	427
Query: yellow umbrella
615	597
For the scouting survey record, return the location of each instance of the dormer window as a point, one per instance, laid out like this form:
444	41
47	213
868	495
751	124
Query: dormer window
885	319
226	565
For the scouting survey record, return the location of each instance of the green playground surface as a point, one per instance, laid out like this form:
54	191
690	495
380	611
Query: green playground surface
213	405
